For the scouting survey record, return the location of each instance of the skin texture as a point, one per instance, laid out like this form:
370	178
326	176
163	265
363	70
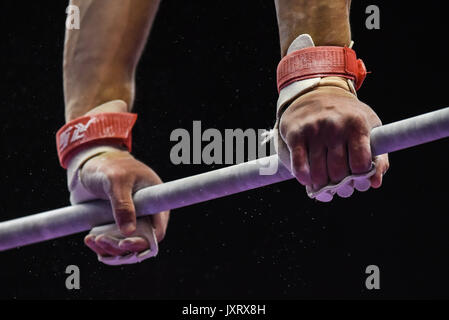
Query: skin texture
326	21
115	176
100	58
325	137
100	61
324	134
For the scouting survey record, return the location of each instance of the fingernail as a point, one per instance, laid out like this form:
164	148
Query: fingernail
125	243
105	239
89	239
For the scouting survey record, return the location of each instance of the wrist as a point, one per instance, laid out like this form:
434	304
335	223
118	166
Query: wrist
75	109
92	130
307	67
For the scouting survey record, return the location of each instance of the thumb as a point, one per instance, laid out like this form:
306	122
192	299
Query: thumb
123	208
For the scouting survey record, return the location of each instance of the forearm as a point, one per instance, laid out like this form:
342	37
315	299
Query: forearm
327	21
100	58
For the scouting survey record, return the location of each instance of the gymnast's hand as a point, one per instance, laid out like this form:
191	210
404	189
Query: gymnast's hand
325	136
115	176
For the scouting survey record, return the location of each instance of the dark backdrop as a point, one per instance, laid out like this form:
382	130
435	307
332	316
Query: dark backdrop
215	61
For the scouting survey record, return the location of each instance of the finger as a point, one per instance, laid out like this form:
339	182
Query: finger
89	241
337	162
110	245
318	165
359	154
134	244
300	167
160	222
123	208
382	165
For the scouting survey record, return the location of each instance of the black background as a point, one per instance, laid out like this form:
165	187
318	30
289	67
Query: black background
215	61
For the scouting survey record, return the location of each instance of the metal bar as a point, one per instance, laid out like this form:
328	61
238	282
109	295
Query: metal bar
207	186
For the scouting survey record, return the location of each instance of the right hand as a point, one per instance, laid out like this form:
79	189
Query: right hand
116	176
325	136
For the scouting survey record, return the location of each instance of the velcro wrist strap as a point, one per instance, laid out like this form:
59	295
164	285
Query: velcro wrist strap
321	61
111	128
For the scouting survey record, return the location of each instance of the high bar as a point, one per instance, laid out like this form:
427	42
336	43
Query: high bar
206	186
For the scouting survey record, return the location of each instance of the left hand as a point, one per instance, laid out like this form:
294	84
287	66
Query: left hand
116	176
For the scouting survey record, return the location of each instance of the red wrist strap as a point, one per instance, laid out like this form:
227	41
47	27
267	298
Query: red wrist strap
320	62
111	128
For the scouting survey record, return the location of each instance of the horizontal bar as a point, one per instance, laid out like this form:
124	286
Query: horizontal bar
206	186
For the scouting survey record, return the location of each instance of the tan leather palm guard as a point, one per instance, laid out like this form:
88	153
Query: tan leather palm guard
337	82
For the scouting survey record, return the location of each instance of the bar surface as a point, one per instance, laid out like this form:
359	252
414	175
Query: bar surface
206	186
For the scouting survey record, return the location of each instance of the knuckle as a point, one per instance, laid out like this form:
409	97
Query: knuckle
333	130
357	123
330	124
301	173
323	122
293	136
311	129
116	174
160	234
123	207
360	164
299	155
299	168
